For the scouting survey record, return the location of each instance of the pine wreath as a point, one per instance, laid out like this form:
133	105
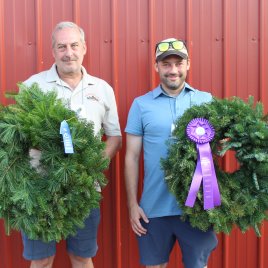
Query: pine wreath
241	127
51	202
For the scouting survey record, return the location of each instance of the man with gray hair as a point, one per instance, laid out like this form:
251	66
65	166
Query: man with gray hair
94	99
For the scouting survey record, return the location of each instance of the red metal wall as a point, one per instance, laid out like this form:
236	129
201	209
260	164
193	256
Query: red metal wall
228	44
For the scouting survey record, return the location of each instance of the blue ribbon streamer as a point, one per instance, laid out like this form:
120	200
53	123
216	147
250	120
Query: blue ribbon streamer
67	138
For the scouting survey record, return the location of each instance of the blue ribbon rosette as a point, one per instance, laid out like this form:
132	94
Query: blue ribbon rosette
200	131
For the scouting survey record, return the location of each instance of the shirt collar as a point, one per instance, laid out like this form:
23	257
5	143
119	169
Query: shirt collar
158	90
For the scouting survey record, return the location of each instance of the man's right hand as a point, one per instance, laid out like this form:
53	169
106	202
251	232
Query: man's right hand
35	156
137	213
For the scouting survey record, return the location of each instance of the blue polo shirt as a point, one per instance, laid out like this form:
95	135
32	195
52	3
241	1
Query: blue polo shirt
151	117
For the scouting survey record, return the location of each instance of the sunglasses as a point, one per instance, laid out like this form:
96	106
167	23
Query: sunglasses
164	46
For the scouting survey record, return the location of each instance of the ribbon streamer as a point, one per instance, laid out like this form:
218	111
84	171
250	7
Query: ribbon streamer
200	131
67	138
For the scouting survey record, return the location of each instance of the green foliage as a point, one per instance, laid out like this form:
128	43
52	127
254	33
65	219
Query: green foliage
48	203
239	127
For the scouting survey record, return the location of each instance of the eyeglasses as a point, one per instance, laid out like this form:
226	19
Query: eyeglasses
164	46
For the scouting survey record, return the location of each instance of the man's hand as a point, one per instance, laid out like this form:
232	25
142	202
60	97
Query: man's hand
35	156
135	214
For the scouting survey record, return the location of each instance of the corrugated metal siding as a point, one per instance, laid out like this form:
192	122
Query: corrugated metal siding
228	45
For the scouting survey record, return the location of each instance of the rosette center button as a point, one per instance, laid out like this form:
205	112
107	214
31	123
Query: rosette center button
200	131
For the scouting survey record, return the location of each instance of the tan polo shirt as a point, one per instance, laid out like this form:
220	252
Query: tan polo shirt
93	98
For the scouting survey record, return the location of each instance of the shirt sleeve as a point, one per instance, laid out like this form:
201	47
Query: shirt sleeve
134	122
111	124
201	97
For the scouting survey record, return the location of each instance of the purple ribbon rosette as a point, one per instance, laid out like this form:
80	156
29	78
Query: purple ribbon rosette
200	131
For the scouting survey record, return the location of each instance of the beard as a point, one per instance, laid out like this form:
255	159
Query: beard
173	85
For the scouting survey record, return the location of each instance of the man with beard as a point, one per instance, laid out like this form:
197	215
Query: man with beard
156	218
94	100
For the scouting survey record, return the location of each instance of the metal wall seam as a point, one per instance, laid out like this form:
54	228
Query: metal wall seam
226	47
39	34
2	54
189	17
76	11
151	25
263	59
261	248
6	248
226	93
263	54
115	74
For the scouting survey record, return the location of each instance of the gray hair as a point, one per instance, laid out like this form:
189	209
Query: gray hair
67	24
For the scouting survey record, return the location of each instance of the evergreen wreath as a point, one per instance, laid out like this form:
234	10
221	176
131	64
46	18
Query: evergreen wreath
51	202
242	128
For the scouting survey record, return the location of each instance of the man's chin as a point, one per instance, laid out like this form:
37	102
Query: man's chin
173	86
69	69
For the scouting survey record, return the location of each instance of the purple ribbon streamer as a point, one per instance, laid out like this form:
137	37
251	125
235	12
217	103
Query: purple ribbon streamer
201	132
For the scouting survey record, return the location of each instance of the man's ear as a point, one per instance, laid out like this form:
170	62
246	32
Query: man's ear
188	64
53	53
85	48
156	67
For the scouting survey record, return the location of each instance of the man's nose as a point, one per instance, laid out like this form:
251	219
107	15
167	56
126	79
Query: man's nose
68	51
173	68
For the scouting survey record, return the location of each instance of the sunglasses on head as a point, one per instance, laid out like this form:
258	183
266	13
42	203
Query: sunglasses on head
164	46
